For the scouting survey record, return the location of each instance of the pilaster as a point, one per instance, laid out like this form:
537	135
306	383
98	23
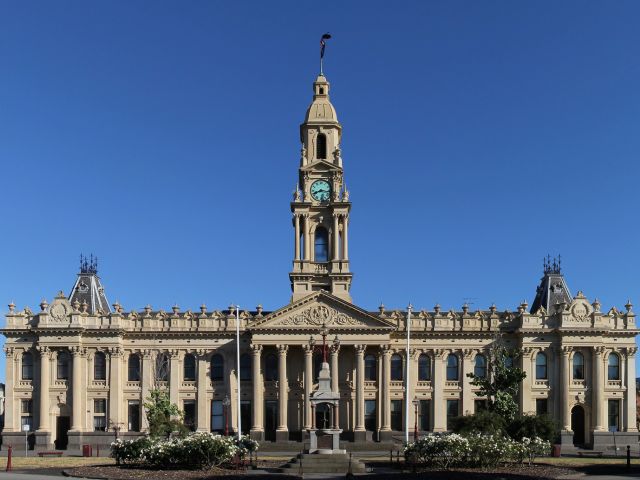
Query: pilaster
439	407
115	388
308	384
630	394
282	432
598	389
360	433
203	383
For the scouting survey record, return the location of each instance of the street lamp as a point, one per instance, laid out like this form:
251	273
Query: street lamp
416	402
225	403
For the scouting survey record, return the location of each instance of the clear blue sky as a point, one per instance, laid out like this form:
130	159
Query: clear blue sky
163	137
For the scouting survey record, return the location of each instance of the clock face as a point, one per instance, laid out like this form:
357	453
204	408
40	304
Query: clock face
321	190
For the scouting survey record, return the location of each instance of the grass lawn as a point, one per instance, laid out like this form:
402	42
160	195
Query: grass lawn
577	461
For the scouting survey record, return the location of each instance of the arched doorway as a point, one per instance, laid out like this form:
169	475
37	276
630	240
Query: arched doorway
63	424
577	424
324	417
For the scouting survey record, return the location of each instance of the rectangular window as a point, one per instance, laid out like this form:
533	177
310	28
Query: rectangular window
424	415
100	405
245	416
453	411
99	423
370	414
190	418
479	405
217	416
542	406
26	406
134	415
396	415
614	415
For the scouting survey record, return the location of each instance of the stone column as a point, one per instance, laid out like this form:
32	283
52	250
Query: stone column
345	238
598	390
257	430
147	379
175	377
296	219
308	384
336	238
438	401
115	387
45	377
306	237
564	388
76	388
203	384
9	403
630	394
282	432
525	386
335	384
386	393
467	359
359	433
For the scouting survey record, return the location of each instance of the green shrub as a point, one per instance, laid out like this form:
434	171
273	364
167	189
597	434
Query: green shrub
481	422
531	426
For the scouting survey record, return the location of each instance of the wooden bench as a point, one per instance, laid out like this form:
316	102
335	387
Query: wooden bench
590	454
50	454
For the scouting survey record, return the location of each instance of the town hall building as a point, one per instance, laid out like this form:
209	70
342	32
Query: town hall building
78	370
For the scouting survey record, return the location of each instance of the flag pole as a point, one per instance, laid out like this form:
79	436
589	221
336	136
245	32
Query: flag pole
238	368
407	383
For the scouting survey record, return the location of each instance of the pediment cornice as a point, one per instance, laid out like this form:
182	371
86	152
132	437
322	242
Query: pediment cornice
311	312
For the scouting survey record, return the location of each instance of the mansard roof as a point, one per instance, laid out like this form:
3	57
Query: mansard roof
553	288
88	289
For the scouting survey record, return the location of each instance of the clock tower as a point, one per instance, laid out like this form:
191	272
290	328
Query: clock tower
321	204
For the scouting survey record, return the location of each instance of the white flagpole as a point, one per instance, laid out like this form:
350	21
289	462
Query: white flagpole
406	388
238	368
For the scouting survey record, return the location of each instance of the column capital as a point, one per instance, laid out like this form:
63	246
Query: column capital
527	351
468	353
360	349
599	350
9	351
385	350
440	353
566	350
282	349
334	349
256	349
631	351
77	351
308	349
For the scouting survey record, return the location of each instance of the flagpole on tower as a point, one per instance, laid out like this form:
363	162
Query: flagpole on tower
323	43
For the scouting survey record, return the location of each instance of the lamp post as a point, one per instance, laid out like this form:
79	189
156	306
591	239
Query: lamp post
416	402
225	403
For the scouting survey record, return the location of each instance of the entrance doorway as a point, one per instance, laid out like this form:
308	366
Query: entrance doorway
577	425
270	420
245	416
63	424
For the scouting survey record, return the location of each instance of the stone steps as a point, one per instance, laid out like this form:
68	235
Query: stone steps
323	463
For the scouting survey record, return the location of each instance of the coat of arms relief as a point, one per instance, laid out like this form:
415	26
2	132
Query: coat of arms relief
318	315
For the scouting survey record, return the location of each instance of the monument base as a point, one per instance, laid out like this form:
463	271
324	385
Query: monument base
325	441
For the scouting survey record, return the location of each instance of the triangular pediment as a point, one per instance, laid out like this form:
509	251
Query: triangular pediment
320	165
311	312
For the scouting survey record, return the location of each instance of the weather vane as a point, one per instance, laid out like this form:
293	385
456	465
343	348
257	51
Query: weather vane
323	43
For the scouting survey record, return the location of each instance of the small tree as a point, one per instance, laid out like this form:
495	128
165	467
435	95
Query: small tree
502	382
163	416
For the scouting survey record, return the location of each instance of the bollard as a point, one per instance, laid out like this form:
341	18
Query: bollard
9	468
391	457
398	457
97	450
628	457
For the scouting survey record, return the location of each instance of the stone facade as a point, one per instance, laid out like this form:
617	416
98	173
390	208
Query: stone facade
78	371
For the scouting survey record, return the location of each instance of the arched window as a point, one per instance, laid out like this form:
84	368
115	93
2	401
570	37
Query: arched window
245	367
424	368
63	365
27	366
452	368
480	367
614	367
270	367
217	368
162	367
99	366
541	366
370	368
578	366
189	367
396	367
322	146
321	245
134	368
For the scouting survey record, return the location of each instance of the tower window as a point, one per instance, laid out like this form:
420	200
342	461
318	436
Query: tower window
321	245
321	91
322	146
